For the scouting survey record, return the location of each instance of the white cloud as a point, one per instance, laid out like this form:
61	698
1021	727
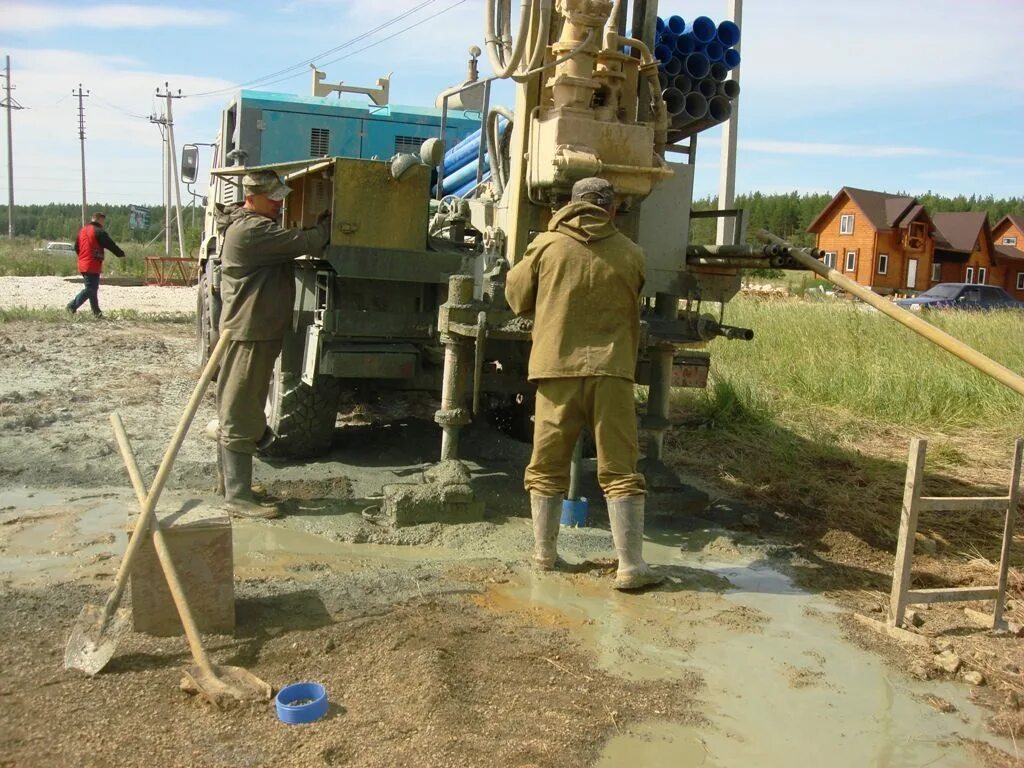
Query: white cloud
33	17
810	56
773	147
123	152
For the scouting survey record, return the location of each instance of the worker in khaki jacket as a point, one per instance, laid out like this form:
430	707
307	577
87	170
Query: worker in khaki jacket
258	292
582	279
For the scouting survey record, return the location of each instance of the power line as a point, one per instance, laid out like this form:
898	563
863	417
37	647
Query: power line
104	103
306	62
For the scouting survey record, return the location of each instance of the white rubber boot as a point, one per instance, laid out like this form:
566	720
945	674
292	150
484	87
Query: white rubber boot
546	512
627	520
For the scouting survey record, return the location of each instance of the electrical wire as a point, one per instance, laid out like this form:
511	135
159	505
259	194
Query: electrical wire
307	62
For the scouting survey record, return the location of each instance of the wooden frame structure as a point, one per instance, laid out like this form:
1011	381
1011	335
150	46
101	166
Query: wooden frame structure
914	503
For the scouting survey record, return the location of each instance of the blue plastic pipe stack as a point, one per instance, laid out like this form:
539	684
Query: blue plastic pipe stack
694	60
458	168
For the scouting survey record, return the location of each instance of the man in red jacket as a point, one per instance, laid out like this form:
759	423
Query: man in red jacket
92	240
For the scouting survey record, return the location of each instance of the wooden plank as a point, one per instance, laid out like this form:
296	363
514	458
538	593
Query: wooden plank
952	595
896	633
908	529
1008	528
963	503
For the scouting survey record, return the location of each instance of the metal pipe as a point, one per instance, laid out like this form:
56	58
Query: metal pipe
685	45
682	83
971	356
730	89
574	470
672	67
695	106
735	251
452	416
714	51
666	307
719	72
707	87
696	65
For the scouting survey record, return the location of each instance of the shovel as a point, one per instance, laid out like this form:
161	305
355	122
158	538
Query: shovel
98	630
220	684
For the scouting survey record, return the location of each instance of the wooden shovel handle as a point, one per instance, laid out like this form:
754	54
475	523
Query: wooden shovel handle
148	507
195	642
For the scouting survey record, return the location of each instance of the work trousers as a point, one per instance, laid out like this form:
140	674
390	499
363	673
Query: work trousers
91	291
242	387
606	405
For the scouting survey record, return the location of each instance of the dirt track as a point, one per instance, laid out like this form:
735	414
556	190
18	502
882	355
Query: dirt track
444	651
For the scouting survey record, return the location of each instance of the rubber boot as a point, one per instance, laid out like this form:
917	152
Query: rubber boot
238	496
627	520
546	512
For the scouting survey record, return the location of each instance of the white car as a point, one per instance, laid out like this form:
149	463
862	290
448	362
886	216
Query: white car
58	248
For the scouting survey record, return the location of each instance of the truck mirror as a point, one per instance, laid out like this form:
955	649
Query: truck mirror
189	163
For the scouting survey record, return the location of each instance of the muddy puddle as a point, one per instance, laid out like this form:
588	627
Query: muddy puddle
782	688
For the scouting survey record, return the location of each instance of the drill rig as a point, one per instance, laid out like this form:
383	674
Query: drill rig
409	293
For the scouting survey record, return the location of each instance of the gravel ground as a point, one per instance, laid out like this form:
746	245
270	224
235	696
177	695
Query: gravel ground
56	292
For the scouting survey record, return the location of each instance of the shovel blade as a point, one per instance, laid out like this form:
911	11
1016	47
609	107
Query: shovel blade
92	645
226	686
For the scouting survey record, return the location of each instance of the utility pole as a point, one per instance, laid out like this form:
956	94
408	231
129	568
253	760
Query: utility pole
81	138
727	178
9	103
172	166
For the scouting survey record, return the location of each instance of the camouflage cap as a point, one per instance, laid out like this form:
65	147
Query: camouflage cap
267	183
593	190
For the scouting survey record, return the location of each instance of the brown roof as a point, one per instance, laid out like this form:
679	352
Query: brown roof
882	209
1016	221
1007	254
960	230
912	213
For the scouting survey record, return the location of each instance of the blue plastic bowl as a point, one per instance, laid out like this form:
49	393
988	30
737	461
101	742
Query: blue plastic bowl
295	714
574	512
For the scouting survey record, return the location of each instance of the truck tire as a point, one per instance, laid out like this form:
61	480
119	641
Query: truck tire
302	417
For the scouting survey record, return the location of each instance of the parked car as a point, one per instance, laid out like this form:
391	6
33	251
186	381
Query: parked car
961	296
58	248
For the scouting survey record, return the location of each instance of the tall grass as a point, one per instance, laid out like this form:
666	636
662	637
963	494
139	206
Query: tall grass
18	258
838	356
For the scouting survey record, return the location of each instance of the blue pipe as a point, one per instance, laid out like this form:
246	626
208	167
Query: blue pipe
467	150
668	38
728	34
714	51
685	45
676	24
464	190
696	65
461	175
662	53
673	66
659	26
731	58
703	29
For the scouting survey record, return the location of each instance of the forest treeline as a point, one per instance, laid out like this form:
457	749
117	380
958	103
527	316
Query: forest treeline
786	215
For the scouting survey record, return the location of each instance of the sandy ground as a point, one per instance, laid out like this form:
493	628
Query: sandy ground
56	292
438	645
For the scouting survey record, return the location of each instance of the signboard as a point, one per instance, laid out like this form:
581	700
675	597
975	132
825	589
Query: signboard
138	218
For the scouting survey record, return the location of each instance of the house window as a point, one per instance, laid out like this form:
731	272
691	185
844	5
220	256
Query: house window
830	259
981	275
883	263
1020	281
846	224
851	261
969	275
319	142
1009	241
936	272
409	144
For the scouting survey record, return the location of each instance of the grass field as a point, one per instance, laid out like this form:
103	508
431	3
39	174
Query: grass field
19	258
814	417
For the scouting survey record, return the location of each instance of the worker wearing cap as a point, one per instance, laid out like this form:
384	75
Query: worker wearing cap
582	279
257	291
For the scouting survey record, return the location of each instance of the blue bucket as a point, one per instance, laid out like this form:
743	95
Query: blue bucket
289	711
574	512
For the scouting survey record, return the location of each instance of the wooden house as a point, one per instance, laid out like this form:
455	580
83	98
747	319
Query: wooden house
1008	237
882	241
964	252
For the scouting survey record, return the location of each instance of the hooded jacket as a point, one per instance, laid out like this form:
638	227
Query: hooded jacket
582	280
257	275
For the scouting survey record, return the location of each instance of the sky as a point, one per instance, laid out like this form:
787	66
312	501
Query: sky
893	95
